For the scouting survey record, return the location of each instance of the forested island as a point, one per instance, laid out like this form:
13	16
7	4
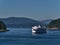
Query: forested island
2	27
54	25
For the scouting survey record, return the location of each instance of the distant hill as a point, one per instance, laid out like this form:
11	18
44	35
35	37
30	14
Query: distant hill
55	24
19	22
46	22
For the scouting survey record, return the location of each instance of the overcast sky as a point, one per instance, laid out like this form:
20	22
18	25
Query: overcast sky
35	9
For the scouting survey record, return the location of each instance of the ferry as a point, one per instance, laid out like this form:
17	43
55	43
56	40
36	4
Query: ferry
38	29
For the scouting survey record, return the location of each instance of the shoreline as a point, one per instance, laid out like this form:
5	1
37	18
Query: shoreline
54	28
1	30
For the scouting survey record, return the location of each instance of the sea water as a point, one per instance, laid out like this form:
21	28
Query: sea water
24	36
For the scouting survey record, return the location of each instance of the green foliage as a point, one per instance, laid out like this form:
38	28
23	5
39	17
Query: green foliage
55	23
2	25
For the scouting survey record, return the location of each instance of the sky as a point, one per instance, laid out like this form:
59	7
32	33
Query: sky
35	9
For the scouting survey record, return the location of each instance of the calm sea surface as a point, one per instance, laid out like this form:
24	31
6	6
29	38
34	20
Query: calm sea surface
24	36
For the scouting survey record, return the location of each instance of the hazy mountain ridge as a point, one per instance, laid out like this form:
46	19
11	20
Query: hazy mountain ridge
23	22
46	22
19	22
